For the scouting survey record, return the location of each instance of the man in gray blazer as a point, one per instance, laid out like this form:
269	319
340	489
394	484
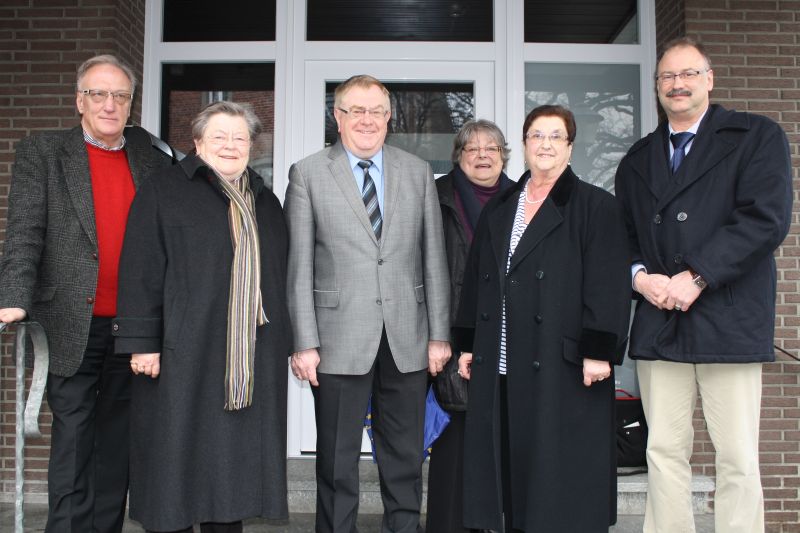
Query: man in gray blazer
69	200
368	295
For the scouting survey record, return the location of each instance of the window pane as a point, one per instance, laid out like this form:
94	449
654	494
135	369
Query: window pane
400	20
206	20
606	102
581	21
187	88
425	116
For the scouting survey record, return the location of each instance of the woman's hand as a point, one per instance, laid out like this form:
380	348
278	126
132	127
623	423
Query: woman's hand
465	365
594	370
148	364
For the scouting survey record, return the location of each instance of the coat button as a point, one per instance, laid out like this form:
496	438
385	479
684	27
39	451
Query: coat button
539	274
657	219
89	300
486	277
115	327
514	282
678	258
536	365
538	319
484	316
378	301
380	261
477	359
682	216
94	256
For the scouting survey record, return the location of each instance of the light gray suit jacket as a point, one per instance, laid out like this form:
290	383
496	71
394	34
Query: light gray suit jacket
344	285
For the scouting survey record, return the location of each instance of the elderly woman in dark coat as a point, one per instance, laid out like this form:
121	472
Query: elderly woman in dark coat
202	311
543	317
480	154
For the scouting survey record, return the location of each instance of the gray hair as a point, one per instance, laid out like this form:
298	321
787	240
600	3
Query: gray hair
105	59
200	122
474	127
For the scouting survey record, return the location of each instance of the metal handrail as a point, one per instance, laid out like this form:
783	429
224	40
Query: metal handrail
27	415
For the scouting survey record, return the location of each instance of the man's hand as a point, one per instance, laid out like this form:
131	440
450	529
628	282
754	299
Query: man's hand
438	354
652	287
304	365
148	364
681	292
12	314
595	370
465	365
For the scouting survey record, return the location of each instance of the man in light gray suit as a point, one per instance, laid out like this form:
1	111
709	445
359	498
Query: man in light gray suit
368	294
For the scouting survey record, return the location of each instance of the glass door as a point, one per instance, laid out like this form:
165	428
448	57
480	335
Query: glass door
430	102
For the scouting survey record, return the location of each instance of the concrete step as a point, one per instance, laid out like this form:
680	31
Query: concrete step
632	489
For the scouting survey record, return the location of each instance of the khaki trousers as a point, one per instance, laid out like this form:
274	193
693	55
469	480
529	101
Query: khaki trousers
731	396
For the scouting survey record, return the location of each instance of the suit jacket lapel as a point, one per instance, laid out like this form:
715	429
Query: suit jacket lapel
547	219
75	164
343	176
391	185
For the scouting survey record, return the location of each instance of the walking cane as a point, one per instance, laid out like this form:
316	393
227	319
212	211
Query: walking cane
27	419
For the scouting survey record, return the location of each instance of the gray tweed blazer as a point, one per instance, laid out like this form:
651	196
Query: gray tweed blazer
49	264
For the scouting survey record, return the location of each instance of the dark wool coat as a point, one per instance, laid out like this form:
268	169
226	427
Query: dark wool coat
567	297
722	215
192	461
49	265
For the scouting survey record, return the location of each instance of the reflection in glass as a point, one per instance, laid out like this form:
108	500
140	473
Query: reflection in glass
581	21
187	88
425	116
606	102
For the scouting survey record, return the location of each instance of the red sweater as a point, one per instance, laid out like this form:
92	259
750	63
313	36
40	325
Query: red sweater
112	191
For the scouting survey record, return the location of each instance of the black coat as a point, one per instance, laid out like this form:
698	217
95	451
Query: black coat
567	297
192	461
722	215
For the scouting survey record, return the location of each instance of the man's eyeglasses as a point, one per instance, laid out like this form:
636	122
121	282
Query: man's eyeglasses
220	139
357	112
473	151
666	78
98	96
538	137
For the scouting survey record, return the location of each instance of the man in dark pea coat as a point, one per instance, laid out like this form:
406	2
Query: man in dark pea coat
68	205
705	213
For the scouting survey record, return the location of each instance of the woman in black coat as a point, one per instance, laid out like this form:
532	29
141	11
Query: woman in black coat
543	317
202	310
480	154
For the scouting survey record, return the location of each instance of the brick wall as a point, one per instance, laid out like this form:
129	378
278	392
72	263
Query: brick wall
42	42
754	48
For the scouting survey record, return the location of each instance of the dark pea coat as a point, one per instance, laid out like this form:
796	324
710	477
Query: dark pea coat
192	461
567	297
722	215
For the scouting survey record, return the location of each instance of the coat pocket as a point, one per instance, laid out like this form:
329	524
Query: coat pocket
570	351
419	292
326	298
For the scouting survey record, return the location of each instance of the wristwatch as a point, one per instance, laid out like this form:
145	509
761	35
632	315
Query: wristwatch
698	280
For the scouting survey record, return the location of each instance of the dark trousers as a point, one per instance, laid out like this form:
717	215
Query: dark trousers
88	471
446	479
214	527
398	415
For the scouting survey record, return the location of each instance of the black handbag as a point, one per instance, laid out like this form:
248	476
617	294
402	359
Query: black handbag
631	431
451	389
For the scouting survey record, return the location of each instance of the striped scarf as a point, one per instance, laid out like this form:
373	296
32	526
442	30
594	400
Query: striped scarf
245	306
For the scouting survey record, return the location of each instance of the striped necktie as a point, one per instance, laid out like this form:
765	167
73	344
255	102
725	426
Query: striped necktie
679	141
370	197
